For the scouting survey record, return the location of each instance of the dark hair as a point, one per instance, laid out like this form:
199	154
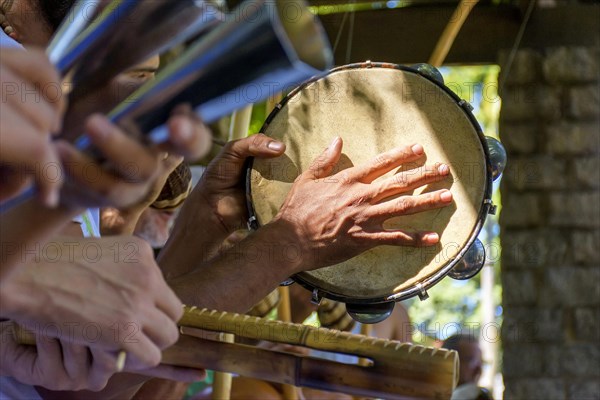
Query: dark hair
454	341
54	11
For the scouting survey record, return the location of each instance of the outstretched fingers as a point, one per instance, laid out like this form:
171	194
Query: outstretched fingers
402	238
409	180
385	162
408	205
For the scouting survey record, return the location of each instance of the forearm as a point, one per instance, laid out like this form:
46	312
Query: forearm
196	238
239	277
25	229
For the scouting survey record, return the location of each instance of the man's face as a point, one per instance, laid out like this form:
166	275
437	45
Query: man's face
108	97
470	362
34	31
154	226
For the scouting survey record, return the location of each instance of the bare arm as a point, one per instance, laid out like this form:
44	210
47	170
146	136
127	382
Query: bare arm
217	206
240	276
321	223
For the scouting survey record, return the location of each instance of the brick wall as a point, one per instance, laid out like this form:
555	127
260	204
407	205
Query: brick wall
551	225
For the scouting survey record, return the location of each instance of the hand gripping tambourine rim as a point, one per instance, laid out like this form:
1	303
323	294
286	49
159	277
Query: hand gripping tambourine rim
420	288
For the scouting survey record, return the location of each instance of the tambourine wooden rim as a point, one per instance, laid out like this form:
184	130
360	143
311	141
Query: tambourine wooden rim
419	289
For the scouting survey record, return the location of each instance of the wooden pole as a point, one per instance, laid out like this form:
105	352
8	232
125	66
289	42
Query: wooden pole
222	380
365	329
319	374
399	370
449	35
284	313
240	123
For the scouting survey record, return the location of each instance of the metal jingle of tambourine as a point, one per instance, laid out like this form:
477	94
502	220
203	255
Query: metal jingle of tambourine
370	313
470	264
429	71
498	156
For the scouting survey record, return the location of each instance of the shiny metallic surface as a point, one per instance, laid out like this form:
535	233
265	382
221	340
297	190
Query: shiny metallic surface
96	34
75	22
254	54
370	313
150	28
429	71
470	264
246	59
498	157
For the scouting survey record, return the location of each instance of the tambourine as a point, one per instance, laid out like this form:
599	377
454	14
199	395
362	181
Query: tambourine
375	107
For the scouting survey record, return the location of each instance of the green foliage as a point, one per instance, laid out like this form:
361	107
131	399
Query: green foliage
479	86
451	306
259	114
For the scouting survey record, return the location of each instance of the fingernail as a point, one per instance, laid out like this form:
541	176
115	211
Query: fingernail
446	196
185	131
443	169
418	149
432	237
276	146
333	145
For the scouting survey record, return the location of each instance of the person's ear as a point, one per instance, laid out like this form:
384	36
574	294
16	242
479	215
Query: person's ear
5	24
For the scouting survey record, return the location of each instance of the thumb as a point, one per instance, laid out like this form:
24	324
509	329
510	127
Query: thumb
324	164
229	164
257	145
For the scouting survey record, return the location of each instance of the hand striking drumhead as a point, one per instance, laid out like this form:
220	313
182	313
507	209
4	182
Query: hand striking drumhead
375	110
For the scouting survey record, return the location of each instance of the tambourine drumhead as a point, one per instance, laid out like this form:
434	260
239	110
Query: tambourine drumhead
374	110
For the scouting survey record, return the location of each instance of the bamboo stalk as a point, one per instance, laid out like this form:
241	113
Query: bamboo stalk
240	123
222	380
284	313
366	330
449	35
293	369
238	129
399	370
403	357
